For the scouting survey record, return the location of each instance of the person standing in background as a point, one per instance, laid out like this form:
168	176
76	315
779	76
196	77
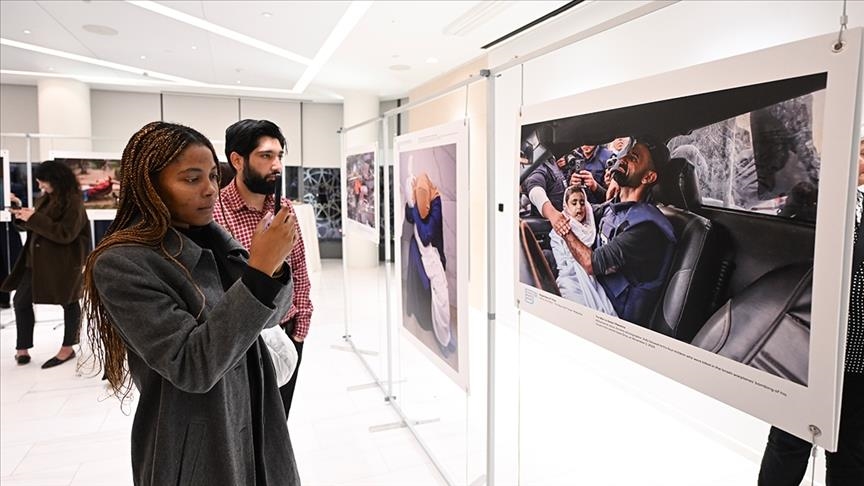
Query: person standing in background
48	271
254	149
784	461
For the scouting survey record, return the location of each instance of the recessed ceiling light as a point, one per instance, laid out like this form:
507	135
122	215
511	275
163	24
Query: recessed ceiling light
266	15
99	29
27	31
431	60
51	69
142	57
400	67
194	48
238	81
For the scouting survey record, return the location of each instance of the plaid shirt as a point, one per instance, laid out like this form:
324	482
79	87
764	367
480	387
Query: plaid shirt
232	212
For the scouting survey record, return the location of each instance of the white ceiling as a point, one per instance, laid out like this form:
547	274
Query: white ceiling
390	33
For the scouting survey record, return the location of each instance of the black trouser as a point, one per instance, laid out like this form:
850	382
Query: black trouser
25	318
287	390
785	459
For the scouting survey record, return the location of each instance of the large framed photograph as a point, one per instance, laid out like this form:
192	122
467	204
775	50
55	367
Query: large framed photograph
700	223
431	228
361	191
98	174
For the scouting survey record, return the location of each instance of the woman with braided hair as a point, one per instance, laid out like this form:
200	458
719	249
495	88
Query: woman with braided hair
176	305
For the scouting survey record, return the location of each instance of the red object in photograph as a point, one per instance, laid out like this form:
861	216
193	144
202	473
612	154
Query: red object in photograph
102	188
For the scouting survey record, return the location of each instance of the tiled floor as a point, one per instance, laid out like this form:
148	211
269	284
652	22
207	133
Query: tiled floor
59	426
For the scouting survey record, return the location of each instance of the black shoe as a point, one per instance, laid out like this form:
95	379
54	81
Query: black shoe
55	361
22	359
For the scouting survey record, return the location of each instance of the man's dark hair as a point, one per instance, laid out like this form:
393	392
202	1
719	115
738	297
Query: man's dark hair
242	137
658	150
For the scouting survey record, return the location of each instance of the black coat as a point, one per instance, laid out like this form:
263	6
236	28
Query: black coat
58	241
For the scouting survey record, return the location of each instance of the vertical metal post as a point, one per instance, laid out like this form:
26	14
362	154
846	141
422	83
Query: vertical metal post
29	169
490	275
385	126
342	230
301	185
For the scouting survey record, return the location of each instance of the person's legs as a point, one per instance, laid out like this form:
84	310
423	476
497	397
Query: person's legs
846	466
71	323
25	318
785	459
287	390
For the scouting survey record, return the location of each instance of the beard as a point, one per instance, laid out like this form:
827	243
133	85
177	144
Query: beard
256	182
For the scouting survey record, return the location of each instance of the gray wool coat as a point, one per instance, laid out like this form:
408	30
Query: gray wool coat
209	411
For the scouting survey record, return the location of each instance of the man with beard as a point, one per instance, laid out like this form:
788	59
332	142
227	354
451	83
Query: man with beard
254	149
635	241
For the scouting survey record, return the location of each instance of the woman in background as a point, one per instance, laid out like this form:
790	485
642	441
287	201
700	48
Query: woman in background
48	271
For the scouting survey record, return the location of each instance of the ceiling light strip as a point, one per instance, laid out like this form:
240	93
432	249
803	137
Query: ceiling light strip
87	79
94	61
147	82
344	27
219	30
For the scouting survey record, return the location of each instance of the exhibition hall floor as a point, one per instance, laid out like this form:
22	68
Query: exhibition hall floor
61	428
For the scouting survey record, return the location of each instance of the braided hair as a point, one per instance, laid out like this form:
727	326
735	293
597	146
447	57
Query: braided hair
142	219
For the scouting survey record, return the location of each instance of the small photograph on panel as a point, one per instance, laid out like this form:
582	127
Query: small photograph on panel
694	217
99	179
428	245
360	188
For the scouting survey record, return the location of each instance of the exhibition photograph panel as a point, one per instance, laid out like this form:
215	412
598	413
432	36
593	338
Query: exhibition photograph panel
97	173
359	173
677	220
431	231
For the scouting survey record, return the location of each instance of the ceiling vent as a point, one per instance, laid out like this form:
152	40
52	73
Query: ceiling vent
476	16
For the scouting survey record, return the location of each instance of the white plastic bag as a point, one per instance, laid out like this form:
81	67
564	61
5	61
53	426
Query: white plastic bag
282	353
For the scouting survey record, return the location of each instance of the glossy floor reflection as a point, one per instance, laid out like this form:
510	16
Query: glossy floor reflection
60	427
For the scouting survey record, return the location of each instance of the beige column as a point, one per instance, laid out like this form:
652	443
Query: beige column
358	107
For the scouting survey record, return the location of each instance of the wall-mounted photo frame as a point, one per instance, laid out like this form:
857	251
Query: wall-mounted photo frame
359	191
99	176
431	211
735	192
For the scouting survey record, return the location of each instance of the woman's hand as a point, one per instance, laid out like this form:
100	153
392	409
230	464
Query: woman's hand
22	214
272	244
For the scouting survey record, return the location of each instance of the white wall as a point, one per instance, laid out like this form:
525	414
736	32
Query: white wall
117	115
210	115
321	146
310	128
19	113
286	114
586	415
